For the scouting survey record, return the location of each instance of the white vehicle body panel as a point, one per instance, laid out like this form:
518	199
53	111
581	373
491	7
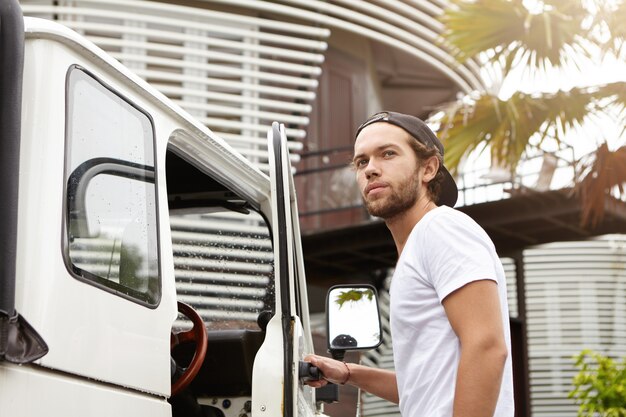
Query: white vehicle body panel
56	394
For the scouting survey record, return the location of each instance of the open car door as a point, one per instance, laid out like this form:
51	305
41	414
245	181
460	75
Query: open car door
298	398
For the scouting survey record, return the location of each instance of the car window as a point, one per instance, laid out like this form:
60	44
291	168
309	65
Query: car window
111	236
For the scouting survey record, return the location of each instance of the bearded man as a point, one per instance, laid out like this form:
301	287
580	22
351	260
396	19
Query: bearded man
448	311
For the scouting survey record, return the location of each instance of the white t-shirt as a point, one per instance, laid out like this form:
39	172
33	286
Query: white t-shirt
445	251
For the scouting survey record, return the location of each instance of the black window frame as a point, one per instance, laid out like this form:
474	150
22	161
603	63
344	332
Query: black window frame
82	275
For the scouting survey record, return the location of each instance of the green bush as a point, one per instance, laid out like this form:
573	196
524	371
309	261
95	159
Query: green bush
600	385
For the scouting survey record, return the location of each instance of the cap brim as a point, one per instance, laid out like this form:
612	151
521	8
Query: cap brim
449	191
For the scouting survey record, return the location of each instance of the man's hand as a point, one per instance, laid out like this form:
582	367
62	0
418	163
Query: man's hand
379	382
332	370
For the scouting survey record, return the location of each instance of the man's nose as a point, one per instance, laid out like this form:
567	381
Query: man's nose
371	169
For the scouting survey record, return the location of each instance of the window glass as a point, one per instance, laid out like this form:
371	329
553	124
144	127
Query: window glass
111	193
224	267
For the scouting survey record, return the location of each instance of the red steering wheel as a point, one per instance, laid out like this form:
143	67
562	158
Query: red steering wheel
197	334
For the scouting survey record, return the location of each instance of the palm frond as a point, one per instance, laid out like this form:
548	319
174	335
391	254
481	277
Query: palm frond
601	173
475	27
615	92
507	126
567	110
611	99
611	20
515	36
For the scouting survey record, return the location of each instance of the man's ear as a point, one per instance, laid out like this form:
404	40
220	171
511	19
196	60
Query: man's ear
430	167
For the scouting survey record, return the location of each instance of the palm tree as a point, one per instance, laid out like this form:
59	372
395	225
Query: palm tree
538	35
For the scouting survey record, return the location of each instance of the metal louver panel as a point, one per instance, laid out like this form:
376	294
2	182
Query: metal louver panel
233	72
575	299
511	285
410	26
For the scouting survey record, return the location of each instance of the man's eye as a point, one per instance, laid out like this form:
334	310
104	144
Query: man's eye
389	153
361	163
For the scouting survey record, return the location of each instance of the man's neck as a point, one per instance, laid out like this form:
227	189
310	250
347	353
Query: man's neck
401	225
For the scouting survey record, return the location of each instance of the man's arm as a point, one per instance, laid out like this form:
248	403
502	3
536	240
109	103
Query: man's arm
474	313
379	382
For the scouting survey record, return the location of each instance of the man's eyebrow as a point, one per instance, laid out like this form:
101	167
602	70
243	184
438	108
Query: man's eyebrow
378	149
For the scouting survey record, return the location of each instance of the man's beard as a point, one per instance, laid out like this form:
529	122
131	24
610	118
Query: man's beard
397	202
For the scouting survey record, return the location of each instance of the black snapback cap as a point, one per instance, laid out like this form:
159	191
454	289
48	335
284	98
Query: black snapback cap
423	134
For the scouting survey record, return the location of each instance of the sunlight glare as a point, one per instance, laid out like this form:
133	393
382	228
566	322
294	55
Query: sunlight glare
536	6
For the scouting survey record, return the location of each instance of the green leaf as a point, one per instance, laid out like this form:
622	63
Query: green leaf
353	296
600	385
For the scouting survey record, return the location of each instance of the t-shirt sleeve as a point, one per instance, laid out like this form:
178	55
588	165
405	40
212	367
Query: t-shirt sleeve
456	252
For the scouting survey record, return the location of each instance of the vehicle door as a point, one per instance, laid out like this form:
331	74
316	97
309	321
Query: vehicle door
299	399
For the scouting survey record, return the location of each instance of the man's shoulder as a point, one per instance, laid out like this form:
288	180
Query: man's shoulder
448	215
448	224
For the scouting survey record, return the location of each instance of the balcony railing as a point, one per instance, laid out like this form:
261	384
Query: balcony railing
329	197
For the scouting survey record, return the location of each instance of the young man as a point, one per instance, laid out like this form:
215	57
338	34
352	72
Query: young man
449	313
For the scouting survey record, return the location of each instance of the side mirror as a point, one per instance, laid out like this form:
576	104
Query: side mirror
353	319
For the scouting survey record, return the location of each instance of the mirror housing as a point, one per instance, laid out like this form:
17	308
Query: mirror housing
352	319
